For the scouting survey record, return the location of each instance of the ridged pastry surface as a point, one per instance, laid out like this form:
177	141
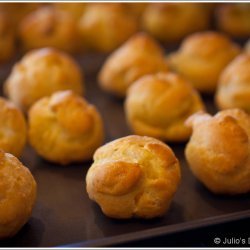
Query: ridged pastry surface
158	105
202	57
64	128
40	73
139	56
219	149
133	176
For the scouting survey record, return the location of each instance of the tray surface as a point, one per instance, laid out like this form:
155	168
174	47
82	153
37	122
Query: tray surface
64	215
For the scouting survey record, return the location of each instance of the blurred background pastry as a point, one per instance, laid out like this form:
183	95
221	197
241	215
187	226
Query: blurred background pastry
202	57
7	37
136	8
51	27
105	26
40	73
13	129
170	22
17	11
133	176
139	56
158	105
234	19
234	85
18	195
65	128
218	151
76	9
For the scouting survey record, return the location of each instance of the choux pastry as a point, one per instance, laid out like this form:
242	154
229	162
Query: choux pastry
219	149
139	56
13	128
105	26
40	73
202	57
234	85
17	11
234	19
51	27
7	38
64	128
18	195
133	176
76	9
158	105
170	22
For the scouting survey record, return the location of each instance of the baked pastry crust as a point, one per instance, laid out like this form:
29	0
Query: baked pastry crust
218	151
139	56
202	57
64	128
170	22
158	105
105	26
51	27
234	85
133	176
233	19
76	9
7	38
40	73
13	128
17	11
18	195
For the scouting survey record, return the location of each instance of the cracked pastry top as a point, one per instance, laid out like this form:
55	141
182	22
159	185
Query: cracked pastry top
158	105
139	56
219	149
133	176
65	128
202	57
40	73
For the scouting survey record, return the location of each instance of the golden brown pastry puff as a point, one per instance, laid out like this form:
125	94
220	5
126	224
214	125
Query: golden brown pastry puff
136	8
40	73
234	85
76	9
133	176
7	38
64	128
139	56
13	129
219	149
234	19
49	26
158	105
202	57
170	22
105	26
17	11
18	195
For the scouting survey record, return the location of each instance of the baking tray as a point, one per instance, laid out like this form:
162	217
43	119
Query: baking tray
64	215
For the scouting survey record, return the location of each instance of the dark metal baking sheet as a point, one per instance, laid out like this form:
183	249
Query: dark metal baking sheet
64	216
